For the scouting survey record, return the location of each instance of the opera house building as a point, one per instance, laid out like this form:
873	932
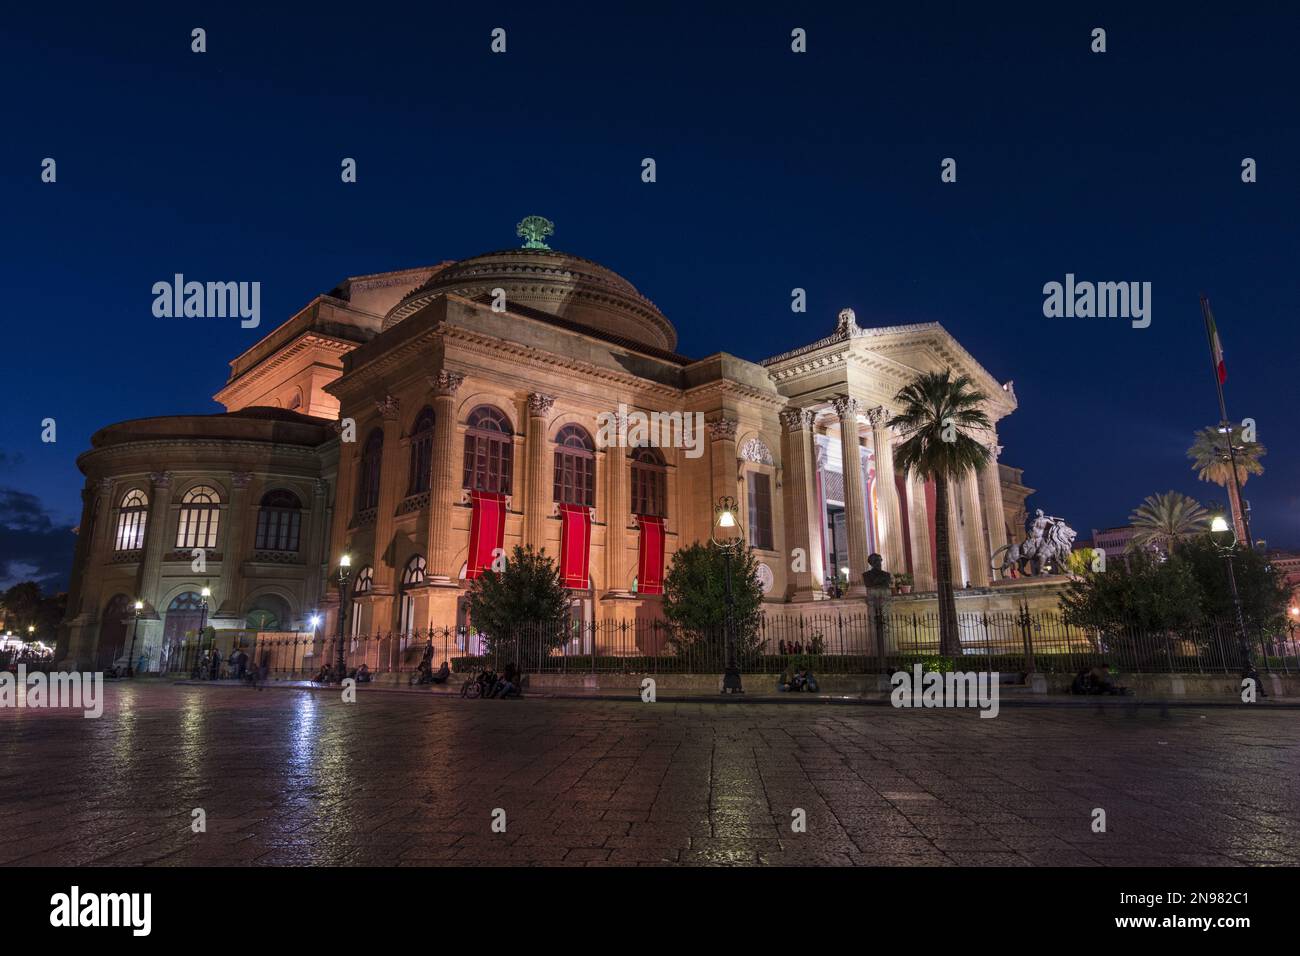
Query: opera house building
426	421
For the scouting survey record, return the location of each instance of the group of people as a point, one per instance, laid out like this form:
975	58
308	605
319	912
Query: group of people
326	674
814	646
505	684
1096	680
236	666
803	680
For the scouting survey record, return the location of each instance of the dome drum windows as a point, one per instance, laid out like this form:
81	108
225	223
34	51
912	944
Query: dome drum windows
199	518
489	451
575	467
132	515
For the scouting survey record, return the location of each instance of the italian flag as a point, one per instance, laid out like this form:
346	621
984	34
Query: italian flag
1216	347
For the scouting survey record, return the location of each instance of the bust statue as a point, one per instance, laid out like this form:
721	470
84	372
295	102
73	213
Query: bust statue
876	578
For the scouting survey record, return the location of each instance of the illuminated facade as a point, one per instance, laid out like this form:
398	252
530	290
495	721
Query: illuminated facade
427	420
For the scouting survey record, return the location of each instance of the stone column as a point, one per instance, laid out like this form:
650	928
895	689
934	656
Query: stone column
446	462
155	541
973	538
94	544
919	520
723	463
801	493
855	505
391	483
537	488
960	575
315	542
618	511
226	603
891	517
995	519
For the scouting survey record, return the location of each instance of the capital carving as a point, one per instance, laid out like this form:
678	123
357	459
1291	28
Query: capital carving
846	407
722	428
241	479
797	419
388	407
445	383
878	416
161	479
321	487
104	485
539	404
995	450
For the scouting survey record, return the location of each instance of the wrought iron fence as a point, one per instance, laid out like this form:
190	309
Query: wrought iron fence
860	643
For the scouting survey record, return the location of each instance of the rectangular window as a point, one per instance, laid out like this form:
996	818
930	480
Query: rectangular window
760	510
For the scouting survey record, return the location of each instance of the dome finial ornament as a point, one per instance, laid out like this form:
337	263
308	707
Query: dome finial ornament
533	229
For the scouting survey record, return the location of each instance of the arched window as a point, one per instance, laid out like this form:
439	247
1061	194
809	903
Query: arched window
412	577
421	453
489	451
278	521
364	582
575	467
649	482
131	518
372	454
200	514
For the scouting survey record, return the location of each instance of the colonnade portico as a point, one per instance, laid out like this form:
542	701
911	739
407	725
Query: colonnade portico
894	519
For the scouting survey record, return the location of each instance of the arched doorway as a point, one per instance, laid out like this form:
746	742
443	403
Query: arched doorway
183	621
269	612
114	632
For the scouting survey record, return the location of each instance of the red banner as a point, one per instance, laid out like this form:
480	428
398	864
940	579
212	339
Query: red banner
650	555
575	545
487	531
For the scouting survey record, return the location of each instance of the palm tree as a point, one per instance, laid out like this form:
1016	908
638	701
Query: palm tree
1164	521
937	412
1211	462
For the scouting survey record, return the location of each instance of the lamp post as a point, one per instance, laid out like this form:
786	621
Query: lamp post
345	571
731	540
197	672
135	629
315	632
1225	542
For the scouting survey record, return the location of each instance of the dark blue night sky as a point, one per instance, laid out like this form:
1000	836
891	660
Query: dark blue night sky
775	170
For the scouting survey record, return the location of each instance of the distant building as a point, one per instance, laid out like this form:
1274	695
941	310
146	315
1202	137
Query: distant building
1114	541
1287	566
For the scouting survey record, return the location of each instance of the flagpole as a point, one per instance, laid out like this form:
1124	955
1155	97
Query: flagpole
1224	422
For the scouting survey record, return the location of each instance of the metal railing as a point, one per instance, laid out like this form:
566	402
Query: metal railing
860	643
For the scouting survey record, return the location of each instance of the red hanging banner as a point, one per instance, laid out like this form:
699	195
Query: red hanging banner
575	545
650	555
487	531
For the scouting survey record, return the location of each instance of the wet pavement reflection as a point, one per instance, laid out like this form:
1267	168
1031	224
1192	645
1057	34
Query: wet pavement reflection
288	776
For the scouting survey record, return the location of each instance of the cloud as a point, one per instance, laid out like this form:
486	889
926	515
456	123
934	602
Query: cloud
32	546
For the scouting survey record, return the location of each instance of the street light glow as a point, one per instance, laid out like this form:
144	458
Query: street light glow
726	519
345	561
139	605
1219	524
206	592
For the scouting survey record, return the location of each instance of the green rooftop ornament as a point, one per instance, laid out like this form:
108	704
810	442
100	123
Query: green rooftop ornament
533	229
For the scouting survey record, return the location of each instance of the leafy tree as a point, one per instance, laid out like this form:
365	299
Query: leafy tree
1079	561
521	611
24	605
1263	594
1212	462
937	415
1163	522
695	602
1143	593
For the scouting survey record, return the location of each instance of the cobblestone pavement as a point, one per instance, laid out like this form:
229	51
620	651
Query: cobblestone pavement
299	777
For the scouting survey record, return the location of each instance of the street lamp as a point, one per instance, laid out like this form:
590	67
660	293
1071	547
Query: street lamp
196	672
345	571
1224	539
135	629
731	540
